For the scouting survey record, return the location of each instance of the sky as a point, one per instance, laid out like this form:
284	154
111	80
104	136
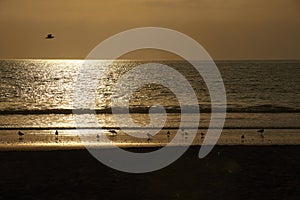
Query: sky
227	29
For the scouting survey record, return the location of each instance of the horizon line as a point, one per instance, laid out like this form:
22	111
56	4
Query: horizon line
216	60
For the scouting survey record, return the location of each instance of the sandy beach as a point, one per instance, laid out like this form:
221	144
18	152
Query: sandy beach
228	172
80	79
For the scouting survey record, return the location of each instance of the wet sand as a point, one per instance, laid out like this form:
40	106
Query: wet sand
228	172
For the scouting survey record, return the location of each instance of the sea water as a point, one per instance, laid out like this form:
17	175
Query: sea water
37	98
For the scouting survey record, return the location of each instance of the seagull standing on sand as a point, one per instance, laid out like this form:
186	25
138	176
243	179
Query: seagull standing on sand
113	132
182	132
149	137
168	134
20	134
186	135
202	135
56	136
261	132
243	138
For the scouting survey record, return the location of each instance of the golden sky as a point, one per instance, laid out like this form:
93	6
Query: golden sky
227	29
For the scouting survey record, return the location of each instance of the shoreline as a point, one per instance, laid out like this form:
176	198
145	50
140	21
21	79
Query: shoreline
28	148
228	172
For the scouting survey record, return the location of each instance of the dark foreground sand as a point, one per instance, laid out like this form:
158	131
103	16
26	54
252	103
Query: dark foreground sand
228	172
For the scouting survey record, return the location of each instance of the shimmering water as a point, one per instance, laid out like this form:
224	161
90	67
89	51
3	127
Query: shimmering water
37	97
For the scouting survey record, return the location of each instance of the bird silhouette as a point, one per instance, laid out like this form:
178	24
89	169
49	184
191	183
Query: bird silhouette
49	36
202	135
149	137
186	135
243	138
20	134
261	131
56	133
182	132
168	134
113	132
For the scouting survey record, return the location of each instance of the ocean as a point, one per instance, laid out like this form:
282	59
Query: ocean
37	98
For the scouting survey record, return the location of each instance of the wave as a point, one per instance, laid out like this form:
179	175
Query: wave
265	108
145	110
141	128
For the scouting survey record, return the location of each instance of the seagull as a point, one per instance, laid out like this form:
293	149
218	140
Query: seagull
261	131
113	132
243	137
149	137
202	135
98	136
168	134
186	135
182	132
49	36
56	132
20	134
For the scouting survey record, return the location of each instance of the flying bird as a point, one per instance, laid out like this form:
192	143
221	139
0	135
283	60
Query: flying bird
49	36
